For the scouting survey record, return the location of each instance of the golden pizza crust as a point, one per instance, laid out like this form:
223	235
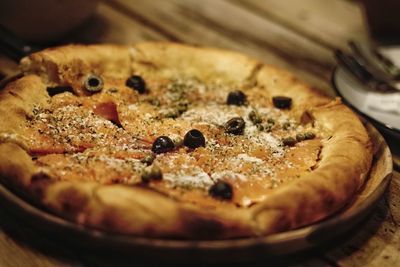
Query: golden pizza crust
344	160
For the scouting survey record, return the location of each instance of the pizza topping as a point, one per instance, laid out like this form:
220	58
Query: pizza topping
52	91
163	144
151	174
309	135
305	136
148	160
136	83
235	126
237	98
289	141
93	83
108	110
300	137
254	158
221	190
255	117
194	139
282	102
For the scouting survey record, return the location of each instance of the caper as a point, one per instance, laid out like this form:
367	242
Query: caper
300	137
289	141
255	117
182	106
309	135
286	126
268	127
172	113
148	160
260	127
153	174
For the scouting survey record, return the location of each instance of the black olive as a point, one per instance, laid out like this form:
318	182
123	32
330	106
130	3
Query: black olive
282	102
93	83
153	174
137	83
237	98
235	126
221	190
162	144
193	139
309	135
289	141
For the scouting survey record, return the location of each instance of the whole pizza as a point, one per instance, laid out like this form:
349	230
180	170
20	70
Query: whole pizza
173	141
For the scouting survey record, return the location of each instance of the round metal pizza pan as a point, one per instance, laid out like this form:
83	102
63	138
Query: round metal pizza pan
204	251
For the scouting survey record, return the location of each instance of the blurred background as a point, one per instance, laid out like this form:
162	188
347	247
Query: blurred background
298	35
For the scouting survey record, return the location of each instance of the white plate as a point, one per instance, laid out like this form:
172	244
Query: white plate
356	96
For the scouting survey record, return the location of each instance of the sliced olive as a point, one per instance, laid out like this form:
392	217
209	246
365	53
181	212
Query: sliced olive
309	135
93	83
152	174
235	126
221	190
282	102
237	98
271	121
289	141
255	117
162	144
137	83
194	139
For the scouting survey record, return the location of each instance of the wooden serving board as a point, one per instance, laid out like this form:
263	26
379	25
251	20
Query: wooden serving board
237	250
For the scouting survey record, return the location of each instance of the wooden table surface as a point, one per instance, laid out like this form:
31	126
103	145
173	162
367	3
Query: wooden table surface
299	35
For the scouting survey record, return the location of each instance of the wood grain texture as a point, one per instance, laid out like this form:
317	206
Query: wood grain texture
342	20
298	35
110	26
224	24
378	241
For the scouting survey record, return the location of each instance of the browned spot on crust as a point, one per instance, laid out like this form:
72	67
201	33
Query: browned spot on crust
72	200
306	118
204	227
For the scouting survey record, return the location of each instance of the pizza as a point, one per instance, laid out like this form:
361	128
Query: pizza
166	140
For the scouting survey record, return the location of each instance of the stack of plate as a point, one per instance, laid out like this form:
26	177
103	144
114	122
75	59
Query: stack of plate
382	109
